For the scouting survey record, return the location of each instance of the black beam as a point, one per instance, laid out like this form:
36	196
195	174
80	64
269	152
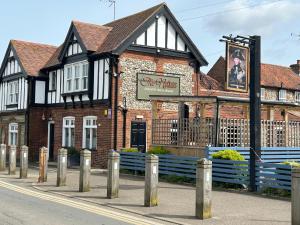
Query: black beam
255	108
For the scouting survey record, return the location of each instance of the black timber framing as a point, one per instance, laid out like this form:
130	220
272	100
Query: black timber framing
171	20
69	39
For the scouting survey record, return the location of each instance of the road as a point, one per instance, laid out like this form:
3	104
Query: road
21	206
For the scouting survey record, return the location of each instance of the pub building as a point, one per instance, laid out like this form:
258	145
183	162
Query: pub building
125	84
93	92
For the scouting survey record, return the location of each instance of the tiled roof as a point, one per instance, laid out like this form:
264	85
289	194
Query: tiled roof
208	82
124	27
92	35
33	56
271	75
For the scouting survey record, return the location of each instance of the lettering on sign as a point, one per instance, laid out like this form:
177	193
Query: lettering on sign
152	84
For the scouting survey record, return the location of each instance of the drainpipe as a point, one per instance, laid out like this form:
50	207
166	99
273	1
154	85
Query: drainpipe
115	74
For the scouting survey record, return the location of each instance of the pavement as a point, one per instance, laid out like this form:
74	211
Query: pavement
176	202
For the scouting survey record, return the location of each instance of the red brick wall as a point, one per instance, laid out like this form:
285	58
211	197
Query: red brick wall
39	131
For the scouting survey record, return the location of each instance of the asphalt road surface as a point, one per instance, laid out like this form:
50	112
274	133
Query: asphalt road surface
21	206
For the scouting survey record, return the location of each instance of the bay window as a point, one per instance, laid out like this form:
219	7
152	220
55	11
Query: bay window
89	132
76	77
13	92
13	134
68	132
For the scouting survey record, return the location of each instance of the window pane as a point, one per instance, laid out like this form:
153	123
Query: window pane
94	130
72	137
87	138
67	137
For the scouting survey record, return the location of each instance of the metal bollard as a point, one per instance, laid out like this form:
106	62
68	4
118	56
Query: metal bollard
203	189
151	181
43	164
12	160
85	171
2	157
295	196
62	167
113	174
23	162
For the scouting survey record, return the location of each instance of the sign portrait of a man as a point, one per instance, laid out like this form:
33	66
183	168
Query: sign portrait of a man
237	68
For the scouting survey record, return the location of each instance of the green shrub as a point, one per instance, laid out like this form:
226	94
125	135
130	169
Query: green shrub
72	151
129	150
158	150
228	154
291	163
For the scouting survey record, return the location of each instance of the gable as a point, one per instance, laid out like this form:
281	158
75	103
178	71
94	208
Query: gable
73	47
73	44
162	34
10	64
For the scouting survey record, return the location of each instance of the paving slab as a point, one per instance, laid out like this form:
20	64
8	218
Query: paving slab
176	202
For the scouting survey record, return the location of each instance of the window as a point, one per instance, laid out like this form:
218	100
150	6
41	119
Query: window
282	95
89	132
76	77
13	134
68	132
262	93
52	81
297	96
13	92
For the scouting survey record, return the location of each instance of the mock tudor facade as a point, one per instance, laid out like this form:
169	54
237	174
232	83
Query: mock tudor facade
85	94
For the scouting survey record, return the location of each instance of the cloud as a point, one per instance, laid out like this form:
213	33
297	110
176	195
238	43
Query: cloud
264	19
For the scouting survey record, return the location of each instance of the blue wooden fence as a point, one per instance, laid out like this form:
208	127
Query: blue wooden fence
268	154
272	175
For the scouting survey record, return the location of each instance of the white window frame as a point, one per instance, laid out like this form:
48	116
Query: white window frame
297	96
70	81
69	126
282	95
13	134
262	93
13	92
52	81
91	127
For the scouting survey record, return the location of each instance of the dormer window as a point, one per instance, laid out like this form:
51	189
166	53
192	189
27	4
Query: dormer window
76	77
74	48
282	95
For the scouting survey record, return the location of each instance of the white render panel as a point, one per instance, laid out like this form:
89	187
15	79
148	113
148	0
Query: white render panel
40	92
57	86
161	32
141	40
106	80
151	35
171	37
61	84
100	77
96	75
20	93
180	44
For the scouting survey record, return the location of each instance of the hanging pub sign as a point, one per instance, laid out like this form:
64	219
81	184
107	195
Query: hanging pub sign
152	84
237	69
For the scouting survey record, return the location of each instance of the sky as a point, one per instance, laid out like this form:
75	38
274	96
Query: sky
205	21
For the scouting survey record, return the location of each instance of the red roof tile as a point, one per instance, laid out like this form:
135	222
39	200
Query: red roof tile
33	56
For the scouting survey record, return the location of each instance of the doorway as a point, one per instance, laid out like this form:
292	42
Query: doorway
138	135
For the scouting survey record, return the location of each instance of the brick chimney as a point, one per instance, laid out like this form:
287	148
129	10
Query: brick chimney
296	67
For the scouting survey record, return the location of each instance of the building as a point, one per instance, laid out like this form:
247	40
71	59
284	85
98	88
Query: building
19	81
93	92
279	85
